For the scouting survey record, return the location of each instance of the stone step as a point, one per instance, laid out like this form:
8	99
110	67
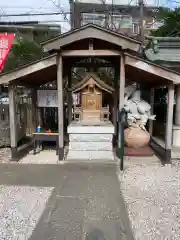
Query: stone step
73	137
90	129
90	155
90	146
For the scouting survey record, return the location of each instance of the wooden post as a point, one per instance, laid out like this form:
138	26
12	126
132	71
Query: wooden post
169	123
121	104
34	109
70	102
13	121
115	97
122	82
177	111
152	111
60	106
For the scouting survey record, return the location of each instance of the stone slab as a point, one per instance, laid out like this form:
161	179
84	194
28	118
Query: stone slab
176	136
64	212
90	146
109	128
90	155
104	137
103	229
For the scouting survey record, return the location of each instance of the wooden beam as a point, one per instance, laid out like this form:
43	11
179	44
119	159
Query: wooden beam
28	69
153	69
152	110
60	106
97	65
169	123
13	121
85	53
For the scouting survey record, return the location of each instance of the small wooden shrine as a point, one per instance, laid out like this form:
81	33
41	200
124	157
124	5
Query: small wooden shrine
90	106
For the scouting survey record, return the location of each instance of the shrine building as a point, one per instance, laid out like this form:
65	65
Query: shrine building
91	131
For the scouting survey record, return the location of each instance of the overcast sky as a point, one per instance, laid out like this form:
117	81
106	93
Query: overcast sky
35	6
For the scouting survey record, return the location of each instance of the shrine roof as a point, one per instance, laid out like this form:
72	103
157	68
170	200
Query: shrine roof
99	83
91	31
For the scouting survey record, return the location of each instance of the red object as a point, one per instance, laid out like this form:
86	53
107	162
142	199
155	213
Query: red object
48	131
6	41
138	152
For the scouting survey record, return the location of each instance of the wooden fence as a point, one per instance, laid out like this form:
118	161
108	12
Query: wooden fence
25	125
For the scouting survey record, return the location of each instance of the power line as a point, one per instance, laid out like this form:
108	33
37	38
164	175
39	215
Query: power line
32	14
61	10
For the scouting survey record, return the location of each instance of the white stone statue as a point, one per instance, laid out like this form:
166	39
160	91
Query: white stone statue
138	110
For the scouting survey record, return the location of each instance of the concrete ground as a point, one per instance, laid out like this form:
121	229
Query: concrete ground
71	201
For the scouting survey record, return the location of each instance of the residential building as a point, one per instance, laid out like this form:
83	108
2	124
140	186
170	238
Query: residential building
31	30
122	18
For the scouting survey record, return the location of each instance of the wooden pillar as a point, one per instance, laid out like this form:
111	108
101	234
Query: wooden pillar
177	111
176	127
122	83
34	109
121	99
60	106
70	101
152	110
115	107
13	121
169	123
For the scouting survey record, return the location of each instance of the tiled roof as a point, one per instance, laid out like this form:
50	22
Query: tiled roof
163	49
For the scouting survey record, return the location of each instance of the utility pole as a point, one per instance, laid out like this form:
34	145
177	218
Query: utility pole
141	5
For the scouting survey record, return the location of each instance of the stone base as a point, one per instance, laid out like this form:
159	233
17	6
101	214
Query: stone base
176	136
14	154
90	141
90	155
61	154
139	152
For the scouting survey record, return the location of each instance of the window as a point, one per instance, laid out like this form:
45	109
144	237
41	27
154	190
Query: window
121	21
95	18
135	28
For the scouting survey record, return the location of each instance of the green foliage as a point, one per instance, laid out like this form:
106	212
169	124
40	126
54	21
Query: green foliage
171	23
22	52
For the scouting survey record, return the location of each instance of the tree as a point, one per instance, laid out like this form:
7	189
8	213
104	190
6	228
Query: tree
22	52
171	23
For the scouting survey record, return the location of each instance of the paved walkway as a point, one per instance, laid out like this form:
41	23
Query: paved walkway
72	201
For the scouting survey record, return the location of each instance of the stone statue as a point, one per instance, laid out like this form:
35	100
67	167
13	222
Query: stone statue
138	110
138	113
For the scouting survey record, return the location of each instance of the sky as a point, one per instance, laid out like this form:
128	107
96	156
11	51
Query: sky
45	6
35	6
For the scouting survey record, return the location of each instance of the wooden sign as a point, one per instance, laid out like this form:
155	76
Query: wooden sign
47	98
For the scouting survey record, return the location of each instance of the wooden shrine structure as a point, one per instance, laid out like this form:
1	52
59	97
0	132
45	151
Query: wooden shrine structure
106	48
91	107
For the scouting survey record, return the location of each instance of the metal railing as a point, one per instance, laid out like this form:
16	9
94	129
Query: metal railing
122	120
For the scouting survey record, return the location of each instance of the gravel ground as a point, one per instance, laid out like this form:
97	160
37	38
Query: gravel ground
20	210
5	155
152	197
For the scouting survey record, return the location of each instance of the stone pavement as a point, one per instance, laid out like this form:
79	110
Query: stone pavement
71	201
